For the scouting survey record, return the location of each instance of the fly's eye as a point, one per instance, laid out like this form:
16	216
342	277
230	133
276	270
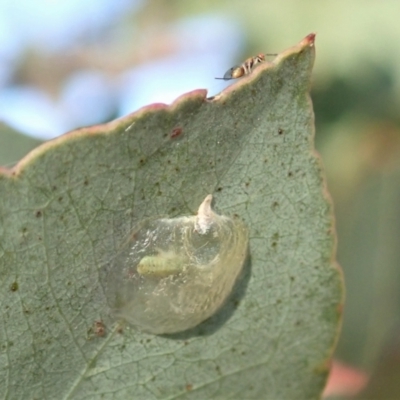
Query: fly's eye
173	273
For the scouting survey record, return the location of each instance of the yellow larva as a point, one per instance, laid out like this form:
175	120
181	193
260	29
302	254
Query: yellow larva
161	265
176	272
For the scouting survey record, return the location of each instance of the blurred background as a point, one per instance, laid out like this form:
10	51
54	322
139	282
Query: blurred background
65	64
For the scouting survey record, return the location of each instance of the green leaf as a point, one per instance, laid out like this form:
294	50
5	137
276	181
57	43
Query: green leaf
67	207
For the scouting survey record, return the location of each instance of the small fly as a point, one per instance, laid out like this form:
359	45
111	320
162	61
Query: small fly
244	69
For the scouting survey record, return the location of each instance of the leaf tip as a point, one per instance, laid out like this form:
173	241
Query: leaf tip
309	40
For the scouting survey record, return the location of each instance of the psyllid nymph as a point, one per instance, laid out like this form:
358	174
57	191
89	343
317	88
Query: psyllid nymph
174	273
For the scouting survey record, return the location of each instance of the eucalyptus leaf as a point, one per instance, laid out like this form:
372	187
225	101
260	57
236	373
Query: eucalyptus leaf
67	208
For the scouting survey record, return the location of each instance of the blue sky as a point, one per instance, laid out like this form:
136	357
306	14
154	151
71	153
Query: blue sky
205	47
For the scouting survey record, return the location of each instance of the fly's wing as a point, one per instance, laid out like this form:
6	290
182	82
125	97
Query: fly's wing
229	74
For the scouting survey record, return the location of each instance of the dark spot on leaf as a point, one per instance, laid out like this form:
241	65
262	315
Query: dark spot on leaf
290	174
274	244
189	387
219	189
60	199
24	230
86	182
185	342
176	132
280	131
142	161
39	238
233	349
243	353
99	328
177	169
247	184
14	286
148	340
275	205
218	369
279	301
292	278
38	214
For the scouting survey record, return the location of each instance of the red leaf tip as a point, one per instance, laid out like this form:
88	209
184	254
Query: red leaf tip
309	39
